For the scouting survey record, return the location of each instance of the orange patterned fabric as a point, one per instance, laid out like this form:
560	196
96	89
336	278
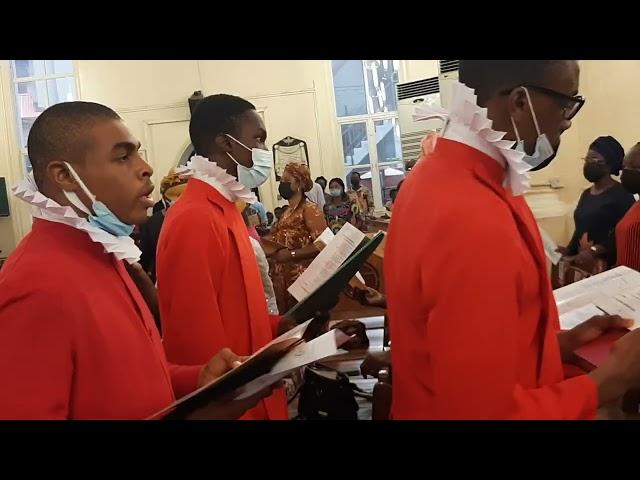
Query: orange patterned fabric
295	230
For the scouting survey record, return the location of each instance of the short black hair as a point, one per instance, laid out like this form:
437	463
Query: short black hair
215	115
490	77
321	178
354	173
393	193
58	133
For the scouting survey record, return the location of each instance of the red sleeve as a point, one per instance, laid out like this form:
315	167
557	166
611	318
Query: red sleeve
473	329
36	356
275	321
189	265
184	379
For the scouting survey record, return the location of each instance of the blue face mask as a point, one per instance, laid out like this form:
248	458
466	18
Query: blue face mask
543	153
102	217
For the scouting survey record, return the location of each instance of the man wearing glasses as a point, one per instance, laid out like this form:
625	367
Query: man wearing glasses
474	322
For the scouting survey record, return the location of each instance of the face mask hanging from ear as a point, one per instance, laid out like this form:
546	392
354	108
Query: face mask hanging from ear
103	218
544	153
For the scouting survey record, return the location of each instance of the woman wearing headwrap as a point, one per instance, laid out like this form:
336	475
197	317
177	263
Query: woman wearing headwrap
600	208
298	228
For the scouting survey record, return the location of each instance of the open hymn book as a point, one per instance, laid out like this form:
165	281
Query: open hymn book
296	348
614	292
268	365
334	251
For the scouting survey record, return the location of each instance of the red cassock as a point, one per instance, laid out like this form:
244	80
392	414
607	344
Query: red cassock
628	238
209	285
77	340
473	321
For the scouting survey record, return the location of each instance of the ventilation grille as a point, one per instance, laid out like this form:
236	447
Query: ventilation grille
447	66
418	88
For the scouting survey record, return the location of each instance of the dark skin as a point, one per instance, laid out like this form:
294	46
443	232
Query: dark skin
621	372
355	180
562	77
251	131
113	170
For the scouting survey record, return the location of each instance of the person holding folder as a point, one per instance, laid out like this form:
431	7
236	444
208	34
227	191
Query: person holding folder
209	285
77	340
475	330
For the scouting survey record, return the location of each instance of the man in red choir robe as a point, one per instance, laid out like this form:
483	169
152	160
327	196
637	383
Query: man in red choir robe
77	340
472	316
209	284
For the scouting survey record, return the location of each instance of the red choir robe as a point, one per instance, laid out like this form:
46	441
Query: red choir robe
77	340
209	286
628	238
472	315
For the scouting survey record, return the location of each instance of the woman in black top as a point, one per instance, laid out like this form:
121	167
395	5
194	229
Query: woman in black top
600	207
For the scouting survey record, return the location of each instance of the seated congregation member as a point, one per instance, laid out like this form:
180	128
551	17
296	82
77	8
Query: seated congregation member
599	209
298	228
209	284
476	335
77	341
628	229
340	209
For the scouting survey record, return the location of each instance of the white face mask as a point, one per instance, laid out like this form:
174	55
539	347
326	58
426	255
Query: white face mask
260	171
544	152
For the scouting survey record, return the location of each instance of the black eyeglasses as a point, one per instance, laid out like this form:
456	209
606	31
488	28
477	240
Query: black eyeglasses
570	105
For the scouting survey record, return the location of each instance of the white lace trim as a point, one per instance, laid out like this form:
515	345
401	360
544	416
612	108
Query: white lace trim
210	173
124	248
467	123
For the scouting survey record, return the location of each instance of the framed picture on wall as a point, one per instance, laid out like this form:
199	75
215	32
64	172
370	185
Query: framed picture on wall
287	150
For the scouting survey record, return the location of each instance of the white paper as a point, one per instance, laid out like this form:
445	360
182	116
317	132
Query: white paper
325	239
579	315
320	347
327	262
614	292
550	247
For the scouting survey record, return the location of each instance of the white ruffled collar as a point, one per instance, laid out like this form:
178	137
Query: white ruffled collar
467	123
124	248
210	173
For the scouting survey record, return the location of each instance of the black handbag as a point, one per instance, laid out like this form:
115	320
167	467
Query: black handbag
327	394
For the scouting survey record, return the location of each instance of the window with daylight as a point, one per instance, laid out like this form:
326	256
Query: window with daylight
367	112
39	84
